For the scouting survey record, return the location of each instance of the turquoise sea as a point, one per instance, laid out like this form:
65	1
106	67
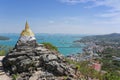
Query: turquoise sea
64	42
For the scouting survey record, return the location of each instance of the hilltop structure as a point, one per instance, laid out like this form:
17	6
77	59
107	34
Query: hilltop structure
27	34
32	61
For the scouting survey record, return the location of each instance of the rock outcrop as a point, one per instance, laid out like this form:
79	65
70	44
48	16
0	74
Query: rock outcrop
32	61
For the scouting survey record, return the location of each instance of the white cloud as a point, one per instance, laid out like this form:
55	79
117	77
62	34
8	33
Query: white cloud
51	21
73	2
113	4
108	15
112	14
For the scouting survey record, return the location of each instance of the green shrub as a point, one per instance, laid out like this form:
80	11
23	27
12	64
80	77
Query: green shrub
88	71
4	49
2	52
50	46
111	76
85	69
15	76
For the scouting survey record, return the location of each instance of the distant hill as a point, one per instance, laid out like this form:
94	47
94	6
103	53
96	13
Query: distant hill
114	37
4	38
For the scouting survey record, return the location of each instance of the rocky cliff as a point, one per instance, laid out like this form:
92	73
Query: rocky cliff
32	61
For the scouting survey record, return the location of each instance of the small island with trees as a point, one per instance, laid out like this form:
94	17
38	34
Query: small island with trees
4	38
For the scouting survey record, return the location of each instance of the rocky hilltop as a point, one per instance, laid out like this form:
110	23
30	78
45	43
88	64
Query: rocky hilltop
32	61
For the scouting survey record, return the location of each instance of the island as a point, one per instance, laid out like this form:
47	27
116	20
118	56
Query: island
4	38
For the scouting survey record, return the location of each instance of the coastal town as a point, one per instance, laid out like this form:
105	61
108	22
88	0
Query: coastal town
101	50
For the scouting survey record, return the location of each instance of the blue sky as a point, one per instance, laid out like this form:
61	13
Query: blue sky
61	16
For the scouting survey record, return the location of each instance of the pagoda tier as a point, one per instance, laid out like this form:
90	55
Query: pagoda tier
27	34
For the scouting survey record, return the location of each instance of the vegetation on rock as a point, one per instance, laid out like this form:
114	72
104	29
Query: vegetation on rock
4	50
50	46
15	76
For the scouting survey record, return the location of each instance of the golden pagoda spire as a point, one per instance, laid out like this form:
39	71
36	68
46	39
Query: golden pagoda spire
26	26
27	31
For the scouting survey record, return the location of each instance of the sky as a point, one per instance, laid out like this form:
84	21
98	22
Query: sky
60	16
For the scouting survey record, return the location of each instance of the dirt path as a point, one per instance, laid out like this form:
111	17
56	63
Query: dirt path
3	76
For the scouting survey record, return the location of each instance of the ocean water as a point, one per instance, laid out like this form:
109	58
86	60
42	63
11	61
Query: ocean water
64	42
